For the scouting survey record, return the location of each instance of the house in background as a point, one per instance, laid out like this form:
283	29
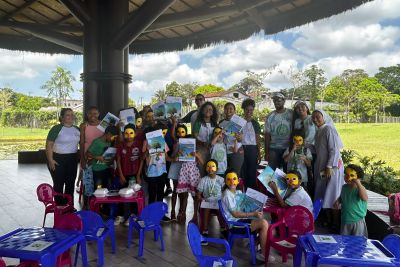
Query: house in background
235	96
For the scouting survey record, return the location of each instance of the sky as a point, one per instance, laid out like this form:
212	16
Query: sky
367	37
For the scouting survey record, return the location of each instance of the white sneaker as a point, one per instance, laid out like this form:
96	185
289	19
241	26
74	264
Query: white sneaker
118	220
260	257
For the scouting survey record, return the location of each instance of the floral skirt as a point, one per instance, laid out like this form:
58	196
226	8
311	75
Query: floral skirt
189	178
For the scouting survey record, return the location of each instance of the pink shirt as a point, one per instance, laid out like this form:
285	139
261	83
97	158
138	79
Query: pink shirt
91	133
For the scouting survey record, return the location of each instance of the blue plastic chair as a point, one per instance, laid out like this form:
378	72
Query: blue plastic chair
95	229
392	243
317	206
149	220
195	239
239	230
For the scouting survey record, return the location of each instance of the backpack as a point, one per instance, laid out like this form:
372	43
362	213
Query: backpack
394	207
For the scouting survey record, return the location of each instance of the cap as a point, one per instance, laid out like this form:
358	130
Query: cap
278	95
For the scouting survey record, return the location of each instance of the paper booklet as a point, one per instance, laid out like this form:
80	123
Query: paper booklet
127	116
209	205
109	154
234	126
173	106
108	120
159	110
155	141
325	239
228	263
187	149
278	176
38	245
251	201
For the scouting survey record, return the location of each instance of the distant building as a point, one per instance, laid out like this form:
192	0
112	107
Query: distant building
235	96
74	104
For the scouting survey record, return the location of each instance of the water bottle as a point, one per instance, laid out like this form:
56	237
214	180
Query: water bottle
132	181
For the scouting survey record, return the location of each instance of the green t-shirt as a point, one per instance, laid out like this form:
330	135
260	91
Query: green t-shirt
97	148
353	207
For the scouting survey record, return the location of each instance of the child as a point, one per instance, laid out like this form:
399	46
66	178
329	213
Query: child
102	171
209	190
129	165
232	213
218	150
189	178
156	167
177	131
353	201
296	195
297	156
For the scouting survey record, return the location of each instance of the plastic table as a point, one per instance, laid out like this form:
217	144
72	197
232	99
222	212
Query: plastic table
41	244
342	250
138	197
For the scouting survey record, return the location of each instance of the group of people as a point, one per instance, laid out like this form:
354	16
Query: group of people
305	145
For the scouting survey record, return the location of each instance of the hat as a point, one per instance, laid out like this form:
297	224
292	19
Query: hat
278	95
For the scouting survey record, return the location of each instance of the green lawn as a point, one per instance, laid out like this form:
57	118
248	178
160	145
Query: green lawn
379	140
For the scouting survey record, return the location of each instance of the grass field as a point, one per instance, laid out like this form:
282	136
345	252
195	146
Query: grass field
379	140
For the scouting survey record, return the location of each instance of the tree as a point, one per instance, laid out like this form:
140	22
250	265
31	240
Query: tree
208	88
314	81
29	103
389	77
160	95
131	102
6	98
186	91
253	84
60	85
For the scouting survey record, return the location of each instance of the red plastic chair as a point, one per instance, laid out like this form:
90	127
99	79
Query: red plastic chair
296	221
46	194
22	264
2	263
67	222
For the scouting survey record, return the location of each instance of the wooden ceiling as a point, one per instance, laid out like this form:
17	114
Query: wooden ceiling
185	23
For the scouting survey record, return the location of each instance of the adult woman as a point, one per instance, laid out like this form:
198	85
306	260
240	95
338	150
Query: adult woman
302	121
235	159
61	152
251	144
89	132
328	172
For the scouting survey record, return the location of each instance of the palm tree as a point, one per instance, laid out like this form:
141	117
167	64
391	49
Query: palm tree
160	95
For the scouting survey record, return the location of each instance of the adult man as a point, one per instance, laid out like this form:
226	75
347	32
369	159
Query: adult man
277	132
192	115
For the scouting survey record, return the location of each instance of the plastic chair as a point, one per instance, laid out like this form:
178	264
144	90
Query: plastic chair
297	220
95	229
317	206
195	239
239	230
392	243
68	222
148	220
22	264
46	194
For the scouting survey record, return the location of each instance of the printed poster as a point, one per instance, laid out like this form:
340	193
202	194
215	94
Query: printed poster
324	239
159	110
127	116
155	141
157	162
173	107
108	120
278	176
251	201
187	149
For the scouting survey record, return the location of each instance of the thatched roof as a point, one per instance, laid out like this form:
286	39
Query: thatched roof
196	23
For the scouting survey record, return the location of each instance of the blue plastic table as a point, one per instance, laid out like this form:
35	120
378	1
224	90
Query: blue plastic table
342	250
41	244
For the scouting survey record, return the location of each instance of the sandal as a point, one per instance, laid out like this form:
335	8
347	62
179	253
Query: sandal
173	216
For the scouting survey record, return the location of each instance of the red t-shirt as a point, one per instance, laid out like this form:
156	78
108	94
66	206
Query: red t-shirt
130	157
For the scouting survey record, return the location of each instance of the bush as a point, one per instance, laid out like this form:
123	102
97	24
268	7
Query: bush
378	177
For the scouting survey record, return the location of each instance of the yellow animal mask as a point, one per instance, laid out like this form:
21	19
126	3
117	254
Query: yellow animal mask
164	132
350	175
211	167
181	132
231	179
139	122
217	131
298	140
292	179
129	134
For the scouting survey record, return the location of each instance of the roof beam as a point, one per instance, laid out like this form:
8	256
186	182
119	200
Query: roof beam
139	21
18	10
56	38
203	14
33	26
78	10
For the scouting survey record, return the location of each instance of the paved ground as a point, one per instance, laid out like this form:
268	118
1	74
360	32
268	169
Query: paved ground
19	207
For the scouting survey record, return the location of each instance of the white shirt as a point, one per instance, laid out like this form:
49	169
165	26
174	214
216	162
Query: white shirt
67	141
249	135
300	197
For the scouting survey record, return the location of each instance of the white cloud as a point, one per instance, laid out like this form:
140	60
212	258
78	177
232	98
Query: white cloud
26	65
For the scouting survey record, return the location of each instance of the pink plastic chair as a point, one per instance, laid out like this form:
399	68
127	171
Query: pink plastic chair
2	263
296	221
22	264
67	222
46	194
